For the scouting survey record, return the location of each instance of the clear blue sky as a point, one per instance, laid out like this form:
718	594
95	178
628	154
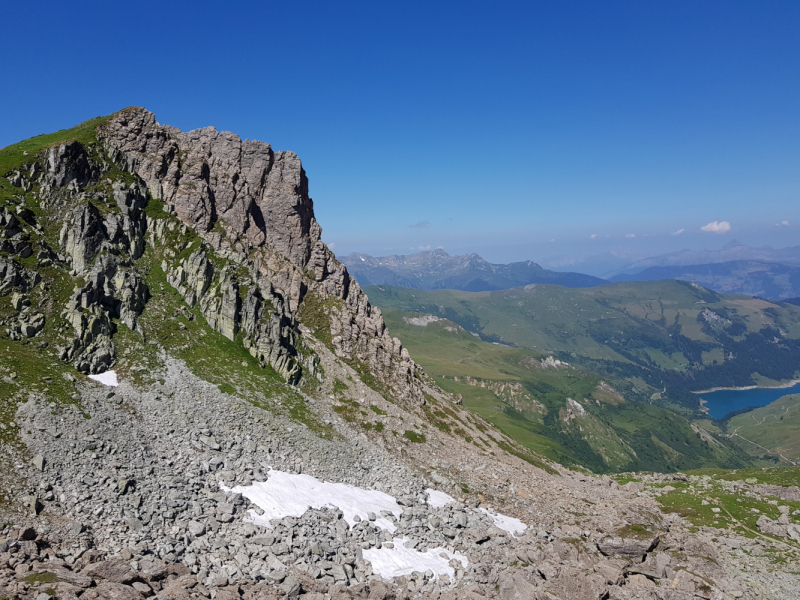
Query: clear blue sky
513	129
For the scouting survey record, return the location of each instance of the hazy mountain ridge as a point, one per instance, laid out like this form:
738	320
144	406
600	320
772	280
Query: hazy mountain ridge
435	269
755	278
732	251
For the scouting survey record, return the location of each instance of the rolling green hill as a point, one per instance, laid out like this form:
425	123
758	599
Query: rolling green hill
664	338
771	430
558	409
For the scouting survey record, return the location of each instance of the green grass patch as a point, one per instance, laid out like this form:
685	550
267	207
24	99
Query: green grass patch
315	312
13	156
39	578
414	437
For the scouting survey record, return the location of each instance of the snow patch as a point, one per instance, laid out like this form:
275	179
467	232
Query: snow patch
437	499
399	561
507	524
107	378
290	495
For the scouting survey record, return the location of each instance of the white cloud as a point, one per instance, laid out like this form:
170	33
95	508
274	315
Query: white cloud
420	225
428	247
631	235
332	245
782	224
680	231
593	236
717	227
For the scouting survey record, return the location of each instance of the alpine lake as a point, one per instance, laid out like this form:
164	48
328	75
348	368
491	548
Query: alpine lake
720	403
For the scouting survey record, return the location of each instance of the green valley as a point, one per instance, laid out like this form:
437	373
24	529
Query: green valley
558	409
769	431
663	339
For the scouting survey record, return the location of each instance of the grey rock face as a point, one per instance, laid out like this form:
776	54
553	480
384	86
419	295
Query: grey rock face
82	235
626	547
192	277
68	164
11	277
251	206
96	244
210	176
109	292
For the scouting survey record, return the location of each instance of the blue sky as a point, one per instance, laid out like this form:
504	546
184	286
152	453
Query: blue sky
513	129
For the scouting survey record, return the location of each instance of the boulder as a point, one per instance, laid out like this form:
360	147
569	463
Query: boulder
116	570
627	547
109	590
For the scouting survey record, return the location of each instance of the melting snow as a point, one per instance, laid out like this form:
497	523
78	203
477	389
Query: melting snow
508	524
289	495
438	499
398	561
107	378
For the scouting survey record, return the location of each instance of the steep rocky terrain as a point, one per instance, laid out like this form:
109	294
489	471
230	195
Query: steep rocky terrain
188	269
436	270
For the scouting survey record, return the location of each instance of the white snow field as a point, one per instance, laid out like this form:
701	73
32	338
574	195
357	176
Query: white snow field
398	561
507	524
290	495
107	378
438	499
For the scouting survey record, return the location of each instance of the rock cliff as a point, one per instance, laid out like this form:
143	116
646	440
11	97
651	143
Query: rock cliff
250	251
251	205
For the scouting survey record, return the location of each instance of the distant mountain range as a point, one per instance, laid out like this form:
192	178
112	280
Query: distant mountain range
751	277
436	269
733	251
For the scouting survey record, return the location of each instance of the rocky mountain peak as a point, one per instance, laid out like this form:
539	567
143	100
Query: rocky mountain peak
234	225
259	197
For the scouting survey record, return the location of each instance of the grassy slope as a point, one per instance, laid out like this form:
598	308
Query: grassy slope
709	500
511	388
772	429
13	156
648	333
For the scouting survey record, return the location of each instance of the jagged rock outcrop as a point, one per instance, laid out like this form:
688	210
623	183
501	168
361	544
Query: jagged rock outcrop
12	277
67	165
251	206
82	235
207	176
110	292
192	277
99	246
258	269
12	237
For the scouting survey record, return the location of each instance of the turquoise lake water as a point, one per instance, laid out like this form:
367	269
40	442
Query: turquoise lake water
723	402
